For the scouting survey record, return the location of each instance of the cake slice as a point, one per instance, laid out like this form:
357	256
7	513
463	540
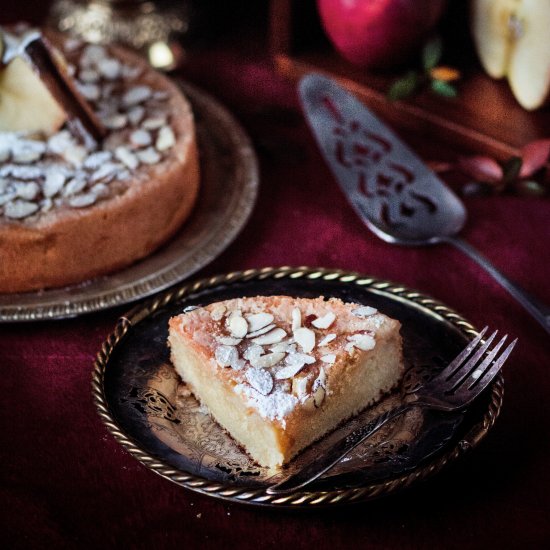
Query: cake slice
279	372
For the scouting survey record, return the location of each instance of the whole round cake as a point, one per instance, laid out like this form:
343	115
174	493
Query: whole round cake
71	208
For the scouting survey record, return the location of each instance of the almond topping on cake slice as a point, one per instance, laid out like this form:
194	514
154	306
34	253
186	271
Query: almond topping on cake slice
264	376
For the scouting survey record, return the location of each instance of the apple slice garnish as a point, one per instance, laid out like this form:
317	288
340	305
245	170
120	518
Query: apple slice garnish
37	94
26	104
512	39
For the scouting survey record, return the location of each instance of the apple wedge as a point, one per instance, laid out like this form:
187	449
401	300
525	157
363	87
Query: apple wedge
512	38
26	104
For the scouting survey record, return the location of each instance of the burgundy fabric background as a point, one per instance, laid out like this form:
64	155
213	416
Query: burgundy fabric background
65	483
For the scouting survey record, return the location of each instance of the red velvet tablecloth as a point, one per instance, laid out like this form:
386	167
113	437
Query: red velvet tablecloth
66	483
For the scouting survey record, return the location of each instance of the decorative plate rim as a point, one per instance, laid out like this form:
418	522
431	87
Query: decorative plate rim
78	299
299	499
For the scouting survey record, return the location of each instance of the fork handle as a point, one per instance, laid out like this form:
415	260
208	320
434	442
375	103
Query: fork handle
538	310
337	452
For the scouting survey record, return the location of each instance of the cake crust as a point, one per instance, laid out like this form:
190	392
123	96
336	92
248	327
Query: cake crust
275	403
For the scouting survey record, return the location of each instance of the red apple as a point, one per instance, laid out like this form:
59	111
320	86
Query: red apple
378	33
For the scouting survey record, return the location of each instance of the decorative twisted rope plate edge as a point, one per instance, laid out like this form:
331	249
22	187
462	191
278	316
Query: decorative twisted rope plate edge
300	498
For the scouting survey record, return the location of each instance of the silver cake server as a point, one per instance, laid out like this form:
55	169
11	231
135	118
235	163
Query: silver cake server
397	196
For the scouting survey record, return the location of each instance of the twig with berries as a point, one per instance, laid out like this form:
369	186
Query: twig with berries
439	78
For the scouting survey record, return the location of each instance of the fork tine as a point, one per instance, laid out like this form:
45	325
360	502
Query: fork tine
481	383
462	356
477	371
486	378
464	369
472	365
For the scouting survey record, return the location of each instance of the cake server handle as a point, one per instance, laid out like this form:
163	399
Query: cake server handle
337	452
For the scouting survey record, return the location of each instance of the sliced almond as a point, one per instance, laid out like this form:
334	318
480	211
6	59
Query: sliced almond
260	379
92	92
27	191
296	319
288	372
83	200
299	386
74	186
258	321
252	352
126	157
6	197
148	156
20	209
21	172
261	331
75	154
153	123
228	341
161	95
28	151
319	396
327	340
272	337
268	360
364	311
115	122
321	379
238	364
325	321
98	159
165	139
140	138
305	338
329	358
92	54
135	114
136	95
106	171
299	359
88	76
237	325
225	355
281	346
364	342
109	68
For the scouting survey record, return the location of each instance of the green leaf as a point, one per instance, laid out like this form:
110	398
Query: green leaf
444	88
431	53
510	170
404	87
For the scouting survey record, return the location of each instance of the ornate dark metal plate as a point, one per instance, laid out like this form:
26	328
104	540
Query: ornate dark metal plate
229	185
142	403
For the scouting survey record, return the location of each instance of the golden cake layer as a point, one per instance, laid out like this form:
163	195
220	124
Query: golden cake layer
279	372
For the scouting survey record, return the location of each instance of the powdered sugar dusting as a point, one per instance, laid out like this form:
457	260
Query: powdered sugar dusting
274	406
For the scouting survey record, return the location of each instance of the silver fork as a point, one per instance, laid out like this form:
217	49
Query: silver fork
454	388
